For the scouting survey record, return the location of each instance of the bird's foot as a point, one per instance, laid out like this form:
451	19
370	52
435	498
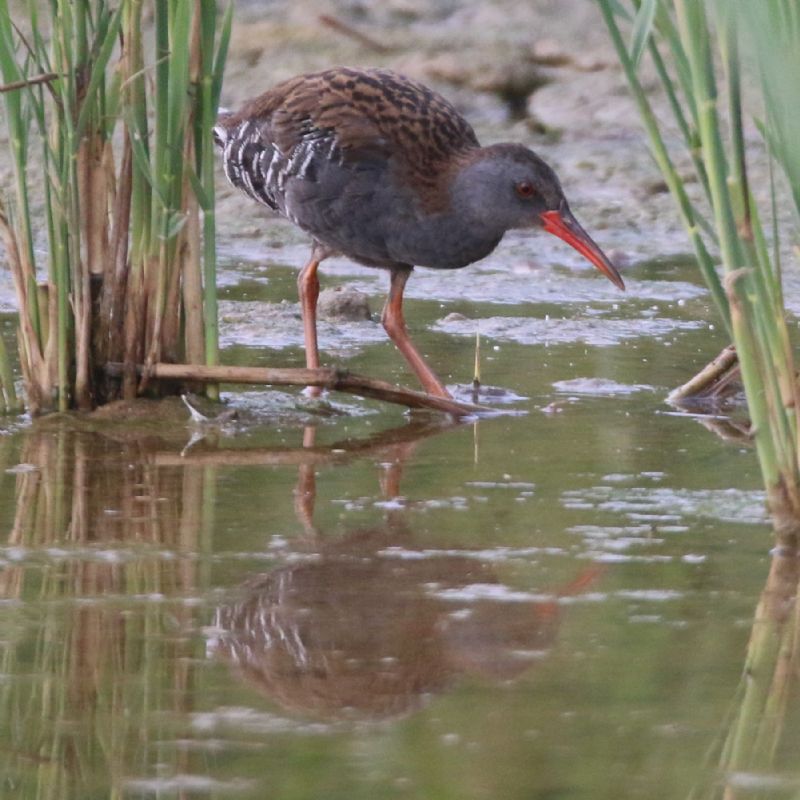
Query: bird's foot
313	392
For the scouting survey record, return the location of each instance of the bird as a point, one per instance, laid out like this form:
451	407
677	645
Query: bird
381	169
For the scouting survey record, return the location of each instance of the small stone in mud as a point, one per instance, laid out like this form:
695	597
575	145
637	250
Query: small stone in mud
657	186
343	303
455	317
550	53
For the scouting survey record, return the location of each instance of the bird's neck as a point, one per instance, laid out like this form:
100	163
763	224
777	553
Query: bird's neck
462	230
468	210
449	241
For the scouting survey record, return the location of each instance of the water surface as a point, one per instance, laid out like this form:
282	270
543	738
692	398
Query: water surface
350	601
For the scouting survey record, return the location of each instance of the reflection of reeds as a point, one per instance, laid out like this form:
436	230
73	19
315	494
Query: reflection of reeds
93	697
79	696
772	666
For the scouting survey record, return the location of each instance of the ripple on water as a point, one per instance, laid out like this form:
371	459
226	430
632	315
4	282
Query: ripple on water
502	484
763	781
663	504
247	720
616	538
491	395
491	591
590	331
508	280
273	405
108	555
493	554
505	594
599	387
178	784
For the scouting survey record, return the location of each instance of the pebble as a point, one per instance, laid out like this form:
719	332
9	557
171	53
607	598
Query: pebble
343	303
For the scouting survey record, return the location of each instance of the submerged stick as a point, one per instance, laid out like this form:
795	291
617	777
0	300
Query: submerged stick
707	376
325	377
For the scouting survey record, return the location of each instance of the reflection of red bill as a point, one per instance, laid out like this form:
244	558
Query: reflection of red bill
576	586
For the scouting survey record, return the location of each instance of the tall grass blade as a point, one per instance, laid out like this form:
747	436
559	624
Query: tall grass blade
7	389
665	163
642	27
107	38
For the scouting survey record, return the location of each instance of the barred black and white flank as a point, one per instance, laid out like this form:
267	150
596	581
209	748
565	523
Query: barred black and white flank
255	163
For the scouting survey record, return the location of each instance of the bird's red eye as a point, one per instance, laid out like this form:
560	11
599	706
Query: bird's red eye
524	189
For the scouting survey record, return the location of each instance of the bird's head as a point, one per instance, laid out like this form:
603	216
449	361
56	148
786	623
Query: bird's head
508	186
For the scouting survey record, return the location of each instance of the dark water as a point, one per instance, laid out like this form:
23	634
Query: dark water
361	604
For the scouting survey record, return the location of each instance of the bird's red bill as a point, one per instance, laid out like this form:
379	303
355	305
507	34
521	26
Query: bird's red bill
566	227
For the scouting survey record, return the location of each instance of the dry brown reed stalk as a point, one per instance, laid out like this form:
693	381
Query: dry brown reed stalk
325	377
120	136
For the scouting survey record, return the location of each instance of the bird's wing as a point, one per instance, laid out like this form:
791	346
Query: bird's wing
359	116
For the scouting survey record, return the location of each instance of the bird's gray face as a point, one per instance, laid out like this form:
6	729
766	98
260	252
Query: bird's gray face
511	187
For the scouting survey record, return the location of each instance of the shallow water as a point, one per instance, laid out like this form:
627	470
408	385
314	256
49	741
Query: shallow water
347	601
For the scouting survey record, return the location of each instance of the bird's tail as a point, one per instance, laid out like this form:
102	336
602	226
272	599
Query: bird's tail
220	131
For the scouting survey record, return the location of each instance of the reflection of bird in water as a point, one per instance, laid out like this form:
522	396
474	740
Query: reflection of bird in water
381	169
369	624
357	630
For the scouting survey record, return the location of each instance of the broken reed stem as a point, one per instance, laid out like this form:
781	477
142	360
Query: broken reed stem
326	378
14	85
707	376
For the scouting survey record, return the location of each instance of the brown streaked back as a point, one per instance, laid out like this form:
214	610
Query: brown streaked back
371	113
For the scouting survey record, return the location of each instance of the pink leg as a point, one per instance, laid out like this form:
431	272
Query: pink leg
395	326
308	289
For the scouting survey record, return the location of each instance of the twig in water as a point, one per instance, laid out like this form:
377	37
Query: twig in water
713	376
348	30
196	416
327	378
476	380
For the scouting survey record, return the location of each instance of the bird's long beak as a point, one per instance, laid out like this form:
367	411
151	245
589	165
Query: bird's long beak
561	223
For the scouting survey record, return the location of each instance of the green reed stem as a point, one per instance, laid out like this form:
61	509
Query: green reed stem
752	300
211	84
7	390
